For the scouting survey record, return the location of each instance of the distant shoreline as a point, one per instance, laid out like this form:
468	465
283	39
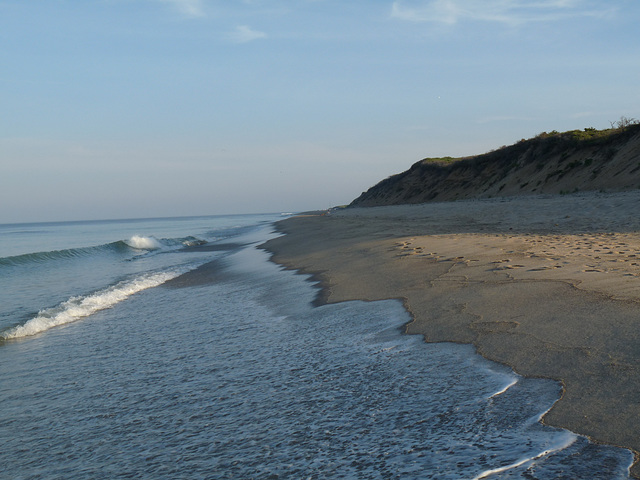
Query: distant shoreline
549	285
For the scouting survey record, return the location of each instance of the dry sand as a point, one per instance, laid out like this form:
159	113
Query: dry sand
548	285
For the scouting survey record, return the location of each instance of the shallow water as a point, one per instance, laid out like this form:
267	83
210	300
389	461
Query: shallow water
229	372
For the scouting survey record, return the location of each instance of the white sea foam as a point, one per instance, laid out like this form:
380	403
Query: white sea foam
193	242
79	307
505	388
143	243
568	439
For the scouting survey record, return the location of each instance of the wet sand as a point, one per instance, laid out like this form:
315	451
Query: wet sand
549	285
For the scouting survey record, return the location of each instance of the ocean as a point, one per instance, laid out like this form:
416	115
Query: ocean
174	349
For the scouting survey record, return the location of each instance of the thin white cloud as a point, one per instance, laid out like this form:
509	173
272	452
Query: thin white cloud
188	8
513	12
244	34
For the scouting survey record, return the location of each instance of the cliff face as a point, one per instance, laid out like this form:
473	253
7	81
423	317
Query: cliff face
549	163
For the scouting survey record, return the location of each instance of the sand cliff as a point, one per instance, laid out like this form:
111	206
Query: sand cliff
556	163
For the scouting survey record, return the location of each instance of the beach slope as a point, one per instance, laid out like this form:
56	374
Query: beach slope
549	285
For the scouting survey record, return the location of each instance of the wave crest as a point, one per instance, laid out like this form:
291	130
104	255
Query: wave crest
137	242
79	307
67	254
143	243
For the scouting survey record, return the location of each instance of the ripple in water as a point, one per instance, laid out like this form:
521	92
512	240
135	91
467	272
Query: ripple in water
243	379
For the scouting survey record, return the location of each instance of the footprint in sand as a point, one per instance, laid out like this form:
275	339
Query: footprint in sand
508	267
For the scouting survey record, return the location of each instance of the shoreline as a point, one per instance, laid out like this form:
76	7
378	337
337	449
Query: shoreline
548	285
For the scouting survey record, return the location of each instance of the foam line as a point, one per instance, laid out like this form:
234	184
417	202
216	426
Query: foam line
507	387
79	307
487	473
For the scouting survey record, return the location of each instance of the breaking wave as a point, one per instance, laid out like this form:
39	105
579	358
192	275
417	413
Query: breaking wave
143	243
83	306
136	242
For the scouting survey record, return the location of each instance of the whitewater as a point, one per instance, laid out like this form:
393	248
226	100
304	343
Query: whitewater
173	348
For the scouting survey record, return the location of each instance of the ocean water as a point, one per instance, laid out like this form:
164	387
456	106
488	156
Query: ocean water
174	349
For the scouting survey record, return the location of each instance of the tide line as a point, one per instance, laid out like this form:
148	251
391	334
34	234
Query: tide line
507	387
487	473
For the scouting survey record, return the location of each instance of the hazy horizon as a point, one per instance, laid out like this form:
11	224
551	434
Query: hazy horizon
158	108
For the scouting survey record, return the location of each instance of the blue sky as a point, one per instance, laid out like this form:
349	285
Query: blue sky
139	108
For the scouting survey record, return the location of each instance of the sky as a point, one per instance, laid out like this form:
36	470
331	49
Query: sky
151	108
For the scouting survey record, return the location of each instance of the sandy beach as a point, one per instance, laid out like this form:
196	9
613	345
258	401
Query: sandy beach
549	285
